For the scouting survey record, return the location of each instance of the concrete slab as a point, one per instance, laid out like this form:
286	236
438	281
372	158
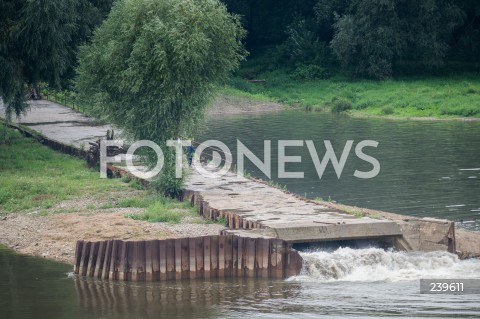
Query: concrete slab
282	215
60	123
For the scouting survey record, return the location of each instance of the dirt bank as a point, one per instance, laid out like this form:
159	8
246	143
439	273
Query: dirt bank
53	236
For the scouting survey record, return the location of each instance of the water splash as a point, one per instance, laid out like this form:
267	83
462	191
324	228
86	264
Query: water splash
374	264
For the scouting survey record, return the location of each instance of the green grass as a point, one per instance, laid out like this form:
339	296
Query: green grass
221	221
33	176
162	210
429	96
135	202
136	184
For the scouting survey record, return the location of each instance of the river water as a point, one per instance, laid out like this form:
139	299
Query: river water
427	168
345	283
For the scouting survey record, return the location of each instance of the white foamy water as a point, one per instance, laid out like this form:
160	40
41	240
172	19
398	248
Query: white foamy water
374	264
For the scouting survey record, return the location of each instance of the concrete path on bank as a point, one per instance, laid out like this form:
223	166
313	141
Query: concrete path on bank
252	204
60	123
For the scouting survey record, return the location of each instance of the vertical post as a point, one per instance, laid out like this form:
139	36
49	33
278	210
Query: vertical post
235	256
100	259
185	255
78	256
266	271
192	245
170	258
138	272
277	258
206	257
162	253
205	210
214	256
116	259
200	256
237	221
241	257
152	262
126	260
250	254
132	261
107	261
92	260
84	260
178	259
258	257
228	256
221	256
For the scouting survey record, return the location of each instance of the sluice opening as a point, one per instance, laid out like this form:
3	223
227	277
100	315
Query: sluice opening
381	243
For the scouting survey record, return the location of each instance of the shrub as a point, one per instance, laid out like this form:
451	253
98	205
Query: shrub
136	184
309	72
341	105
387	110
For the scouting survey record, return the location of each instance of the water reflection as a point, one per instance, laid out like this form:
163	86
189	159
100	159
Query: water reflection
184	299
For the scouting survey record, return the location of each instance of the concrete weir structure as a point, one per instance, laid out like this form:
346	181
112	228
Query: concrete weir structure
253	208
264	210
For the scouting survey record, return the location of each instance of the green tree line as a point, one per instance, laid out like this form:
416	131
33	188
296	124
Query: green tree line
368	38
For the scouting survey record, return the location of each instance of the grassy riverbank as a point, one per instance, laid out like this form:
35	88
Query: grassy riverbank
37	179
49	200
443	96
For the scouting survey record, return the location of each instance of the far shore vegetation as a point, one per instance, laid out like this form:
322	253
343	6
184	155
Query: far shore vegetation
445	95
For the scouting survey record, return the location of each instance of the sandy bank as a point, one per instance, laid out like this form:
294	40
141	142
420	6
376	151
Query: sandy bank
54	236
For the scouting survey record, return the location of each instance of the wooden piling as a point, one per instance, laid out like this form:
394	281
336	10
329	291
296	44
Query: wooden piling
221	256
84	259
78	253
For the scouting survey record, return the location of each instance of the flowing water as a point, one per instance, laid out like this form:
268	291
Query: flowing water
428	168
344	283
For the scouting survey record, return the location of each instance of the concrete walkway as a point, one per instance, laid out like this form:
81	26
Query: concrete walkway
275	213
60	123
272	212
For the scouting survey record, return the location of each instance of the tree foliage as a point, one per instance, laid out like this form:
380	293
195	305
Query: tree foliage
267	20
370	38
366	39
153	65
38	40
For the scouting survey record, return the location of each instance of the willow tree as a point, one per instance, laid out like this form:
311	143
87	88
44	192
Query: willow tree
153	66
